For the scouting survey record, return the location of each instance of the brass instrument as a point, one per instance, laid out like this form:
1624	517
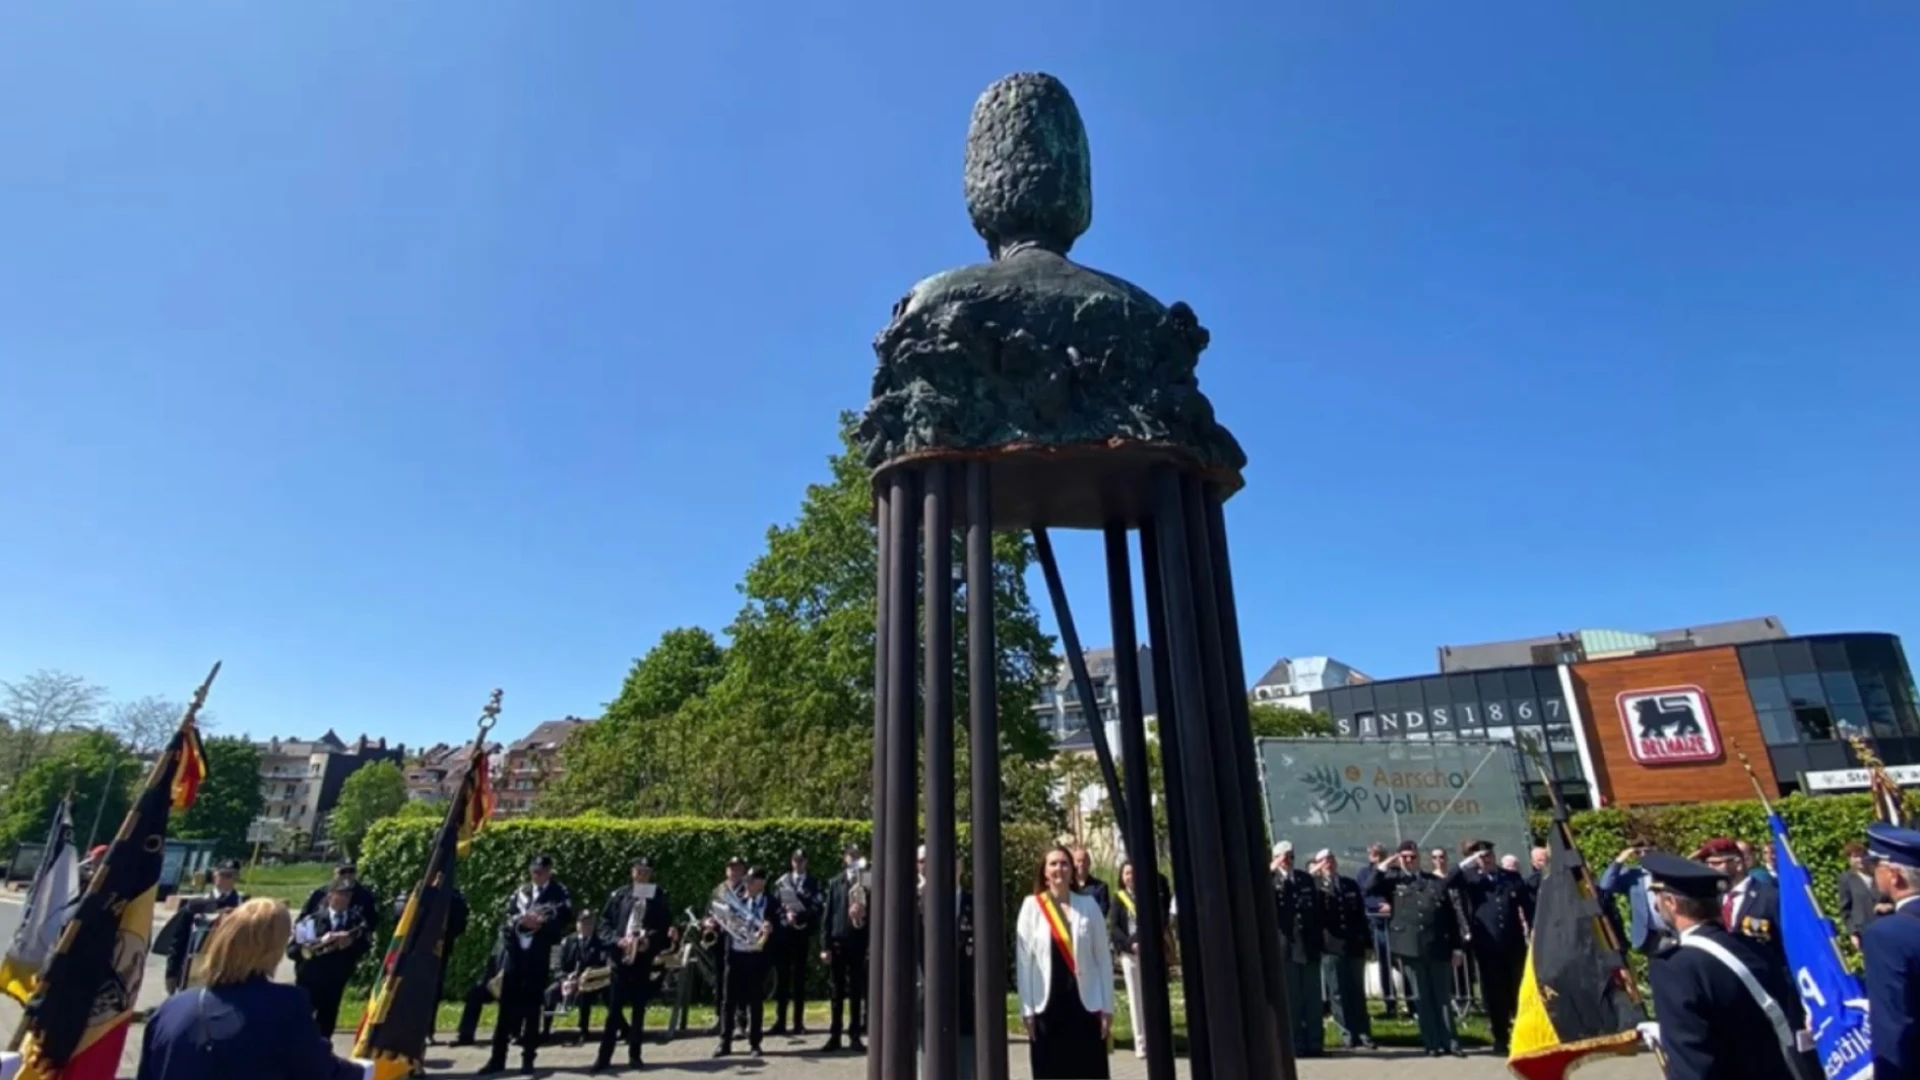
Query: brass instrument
318	946
544	912
708	937
747	932
857	901
594	979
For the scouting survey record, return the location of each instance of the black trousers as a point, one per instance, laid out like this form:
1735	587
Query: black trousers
745	991
584	1002
847	971
790	979
1500	974
477	998
627	1008
324	989
520	1007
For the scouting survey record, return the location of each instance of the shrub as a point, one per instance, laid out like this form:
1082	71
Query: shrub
591	855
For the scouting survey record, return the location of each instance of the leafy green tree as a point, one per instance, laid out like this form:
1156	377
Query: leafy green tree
786	727
96	766
1271	721
372	793
229	797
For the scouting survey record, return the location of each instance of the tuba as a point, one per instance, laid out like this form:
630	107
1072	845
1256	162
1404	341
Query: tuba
748	933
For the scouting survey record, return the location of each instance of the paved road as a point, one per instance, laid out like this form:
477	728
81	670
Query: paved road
795	1059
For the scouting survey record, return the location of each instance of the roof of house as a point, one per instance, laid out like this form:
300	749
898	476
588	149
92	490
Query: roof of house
550	734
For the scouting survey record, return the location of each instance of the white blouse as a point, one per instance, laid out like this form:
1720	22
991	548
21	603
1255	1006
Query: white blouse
1092	955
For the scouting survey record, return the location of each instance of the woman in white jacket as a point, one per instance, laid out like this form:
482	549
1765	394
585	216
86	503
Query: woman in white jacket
1064	970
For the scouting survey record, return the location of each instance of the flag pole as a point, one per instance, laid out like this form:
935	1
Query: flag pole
99	879
388	982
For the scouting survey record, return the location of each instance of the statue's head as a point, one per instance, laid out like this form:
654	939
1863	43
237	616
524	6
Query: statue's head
1029	175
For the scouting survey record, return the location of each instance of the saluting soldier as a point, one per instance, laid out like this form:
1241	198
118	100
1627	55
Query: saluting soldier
1343	965
1892	947
1499	909
843	933
1750	908
799	896
639	916
1725	1009
537	916
1423	930
1296	901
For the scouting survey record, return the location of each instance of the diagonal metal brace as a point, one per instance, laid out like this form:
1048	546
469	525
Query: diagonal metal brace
1083	683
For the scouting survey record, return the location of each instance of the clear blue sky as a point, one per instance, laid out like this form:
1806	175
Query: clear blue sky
396	352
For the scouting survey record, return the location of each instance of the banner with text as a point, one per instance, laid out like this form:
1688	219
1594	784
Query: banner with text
1345	794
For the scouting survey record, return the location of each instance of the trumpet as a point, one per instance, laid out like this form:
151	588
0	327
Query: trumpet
707	937
543	912
857	902
318	945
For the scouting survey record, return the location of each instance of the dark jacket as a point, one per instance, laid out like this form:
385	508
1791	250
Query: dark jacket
1710	1026
337	963
1498	907
1858	897
1757	919
175	940
578	954
1098	890
526	965
1346	930
963	929
256	1030
367	904
1424	923
1892	948
1296	902
656	919
835	926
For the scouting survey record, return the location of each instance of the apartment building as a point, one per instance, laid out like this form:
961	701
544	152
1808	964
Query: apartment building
1292	681
434	776
1059	709
300	782
531	762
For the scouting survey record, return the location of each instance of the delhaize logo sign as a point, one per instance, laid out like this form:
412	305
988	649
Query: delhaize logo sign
1672	725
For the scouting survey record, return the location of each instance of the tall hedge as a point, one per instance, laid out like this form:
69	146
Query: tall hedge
591	855
1819	827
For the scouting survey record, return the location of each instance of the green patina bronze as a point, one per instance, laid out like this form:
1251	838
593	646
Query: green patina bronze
1031	352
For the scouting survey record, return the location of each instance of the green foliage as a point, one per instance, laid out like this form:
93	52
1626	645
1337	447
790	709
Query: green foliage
229	798
591	855
719	733
373	793
1271	721
103	775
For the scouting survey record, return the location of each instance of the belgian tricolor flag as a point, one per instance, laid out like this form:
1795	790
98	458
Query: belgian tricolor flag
76	1025
393	1032
1574	996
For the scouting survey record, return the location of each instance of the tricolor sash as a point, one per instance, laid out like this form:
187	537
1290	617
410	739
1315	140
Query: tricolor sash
1057	922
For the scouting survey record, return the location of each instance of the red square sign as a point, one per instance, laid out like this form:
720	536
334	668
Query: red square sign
1669	725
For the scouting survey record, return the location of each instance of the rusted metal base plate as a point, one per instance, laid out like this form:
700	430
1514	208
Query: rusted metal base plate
1078	486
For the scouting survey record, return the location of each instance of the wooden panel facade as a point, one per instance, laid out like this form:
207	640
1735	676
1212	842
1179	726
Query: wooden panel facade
1623	781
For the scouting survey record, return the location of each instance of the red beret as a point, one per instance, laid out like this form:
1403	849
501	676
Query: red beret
1717	847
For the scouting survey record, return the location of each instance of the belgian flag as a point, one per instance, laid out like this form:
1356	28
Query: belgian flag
76	1024
1575	999
393	1032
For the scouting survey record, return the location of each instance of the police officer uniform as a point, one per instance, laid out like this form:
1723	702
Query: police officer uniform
1724	1009
1892	947
1499	908
1423	930
1296	902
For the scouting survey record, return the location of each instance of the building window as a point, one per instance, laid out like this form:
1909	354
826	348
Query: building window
1776	726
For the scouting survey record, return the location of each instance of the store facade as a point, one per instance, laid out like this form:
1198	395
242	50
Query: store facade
1667	726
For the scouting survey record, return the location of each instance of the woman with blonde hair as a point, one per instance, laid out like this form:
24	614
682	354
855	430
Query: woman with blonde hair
1064	970
238	1024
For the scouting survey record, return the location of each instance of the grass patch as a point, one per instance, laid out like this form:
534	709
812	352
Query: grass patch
292	882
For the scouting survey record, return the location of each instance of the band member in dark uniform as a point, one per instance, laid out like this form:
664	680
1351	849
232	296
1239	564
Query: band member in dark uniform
585	950
734	884
637	917
367	904
1423	930
843	940
196	918
327	945
746	981
1712	1023
1296	900
1499	908
538	914
799	898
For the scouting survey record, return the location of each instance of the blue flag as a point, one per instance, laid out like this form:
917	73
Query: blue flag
1836	1006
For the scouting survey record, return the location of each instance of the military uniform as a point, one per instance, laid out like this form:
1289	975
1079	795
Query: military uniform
1499	908
1423	930
1892	947
1717	996
1296	902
